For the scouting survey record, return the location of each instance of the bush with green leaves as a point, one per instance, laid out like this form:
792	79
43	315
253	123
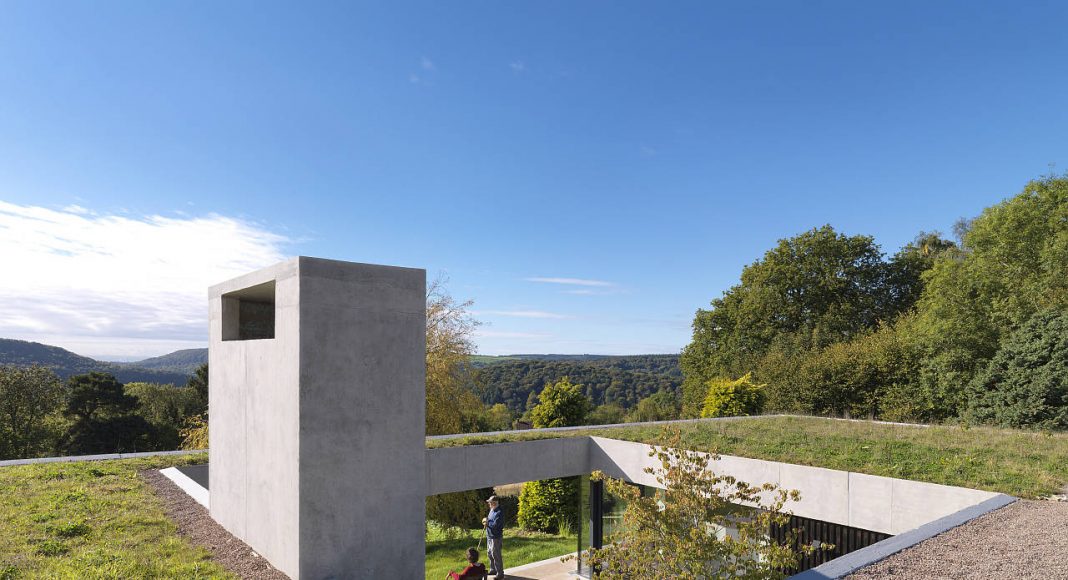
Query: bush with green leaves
734	397
458	513
1026	383
548	505
662	405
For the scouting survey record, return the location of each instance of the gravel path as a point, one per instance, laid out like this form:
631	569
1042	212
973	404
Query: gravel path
1025	539
194	523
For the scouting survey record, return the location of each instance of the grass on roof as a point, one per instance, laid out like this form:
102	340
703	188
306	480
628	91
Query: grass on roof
1021	463
93	519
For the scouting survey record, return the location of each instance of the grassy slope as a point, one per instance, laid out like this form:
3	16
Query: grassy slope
1020	463
444	555
92	520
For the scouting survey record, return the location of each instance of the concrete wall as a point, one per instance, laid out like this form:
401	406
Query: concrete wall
254	421
362	406
881	504
316	435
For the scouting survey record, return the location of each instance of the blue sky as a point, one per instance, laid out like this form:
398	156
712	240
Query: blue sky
650	150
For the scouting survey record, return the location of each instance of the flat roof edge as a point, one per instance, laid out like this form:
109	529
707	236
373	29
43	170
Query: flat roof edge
853	561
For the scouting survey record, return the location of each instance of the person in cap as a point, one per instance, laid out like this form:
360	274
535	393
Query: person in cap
494	523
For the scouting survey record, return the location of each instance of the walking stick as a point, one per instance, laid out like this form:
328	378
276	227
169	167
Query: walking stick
484	532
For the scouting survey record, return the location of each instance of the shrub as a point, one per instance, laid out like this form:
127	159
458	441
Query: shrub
546	504
730	398
458	512
1026	383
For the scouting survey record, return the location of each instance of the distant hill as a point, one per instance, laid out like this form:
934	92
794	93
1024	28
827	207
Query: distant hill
65	363
657	364
180	361
623	380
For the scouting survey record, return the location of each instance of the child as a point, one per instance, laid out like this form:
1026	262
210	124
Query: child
474	569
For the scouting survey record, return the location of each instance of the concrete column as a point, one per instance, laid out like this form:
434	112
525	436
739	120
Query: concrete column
317	417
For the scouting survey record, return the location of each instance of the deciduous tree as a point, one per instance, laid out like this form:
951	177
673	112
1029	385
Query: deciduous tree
29	396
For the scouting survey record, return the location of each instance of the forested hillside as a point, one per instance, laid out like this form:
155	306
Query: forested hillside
614	380
180	361
65	363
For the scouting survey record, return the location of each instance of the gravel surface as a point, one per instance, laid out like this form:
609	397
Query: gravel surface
1025	539
194	523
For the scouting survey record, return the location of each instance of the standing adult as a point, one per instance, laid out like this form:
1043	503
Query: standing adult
494	523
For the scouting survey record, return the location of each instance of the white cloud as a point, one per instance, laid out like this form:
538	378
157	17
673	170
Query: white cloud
117	284
483	333
517	66
427	64
572	282
522	314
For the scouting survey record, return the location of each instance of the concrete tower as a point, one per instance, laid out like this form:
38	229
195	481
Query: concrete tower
317	374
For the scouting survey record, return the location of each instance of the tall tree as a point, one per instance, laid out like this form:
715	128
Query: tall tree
811	290
561	405
103	418
1012	263
449	347
28	397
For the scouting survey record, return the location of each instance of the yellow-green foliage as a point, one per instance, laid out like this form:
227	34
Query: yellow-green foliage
93	519
731	398
195	433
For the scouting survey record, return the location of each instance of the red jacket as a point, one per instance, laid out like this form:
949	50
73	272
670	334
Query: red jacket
472	572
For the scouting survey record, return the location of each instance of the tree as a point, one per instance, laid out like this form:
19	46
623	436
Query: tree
102	417
449	347
168	409
1026	383
609	414
660	406
1012	262
29	396
907	267
679	534
199	384
561	405
811	290
732	398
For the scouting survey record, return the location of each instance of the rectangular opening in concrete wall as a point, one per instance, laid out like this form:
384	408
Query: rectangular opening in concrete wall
248	314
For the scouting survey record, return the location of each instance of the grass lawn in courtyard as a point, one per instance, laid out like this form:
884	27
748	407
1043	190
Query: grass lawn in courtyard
520	547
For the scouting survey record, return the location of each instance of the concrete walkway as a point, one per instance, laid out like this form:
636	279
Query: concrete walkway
551	569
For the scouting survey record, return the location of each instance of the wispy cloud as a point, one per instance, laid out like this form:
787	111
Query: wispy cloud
484	333
572	282
517	66
522	314
118	284
427	64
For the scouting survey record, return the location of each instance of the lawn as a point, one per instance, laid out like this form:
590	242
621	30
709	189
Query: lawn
1021	463
520	547
98	519
93	519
